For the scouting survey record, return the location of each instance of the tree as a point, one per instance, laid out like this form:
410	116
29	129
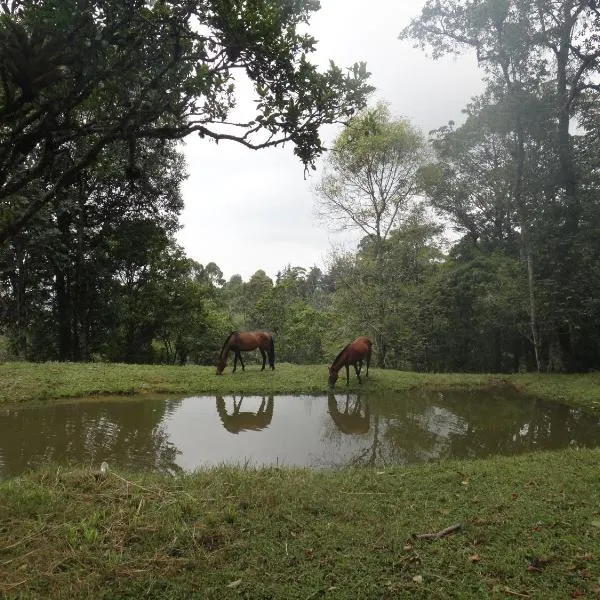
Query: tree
493	179
392	296
370	184
94	73
67	295
545	51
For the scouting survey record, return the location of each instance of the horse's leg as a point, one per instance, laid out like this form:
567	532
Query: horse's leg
347	373
235	359
359	363
357	372
368	361
264	357
241	361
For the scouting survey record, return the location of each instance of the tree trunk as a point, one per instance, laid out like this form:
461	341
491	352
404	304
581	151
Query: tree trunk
63	314
532	312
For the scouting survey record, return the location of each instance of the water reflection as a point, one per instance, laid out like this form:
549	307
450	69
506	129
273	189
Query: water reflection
131	434
238	420
355	416
327	431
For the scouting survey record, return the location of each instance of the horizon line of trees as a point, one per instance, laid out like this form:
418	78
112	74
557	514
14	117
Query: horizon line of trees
89	269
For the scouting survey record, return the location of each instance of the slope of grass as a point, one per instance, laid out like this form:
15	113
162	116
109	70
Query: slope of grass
45	381
530	528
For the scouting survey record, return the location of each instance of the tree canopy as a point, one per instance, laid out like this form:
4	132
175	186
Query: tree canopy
77	76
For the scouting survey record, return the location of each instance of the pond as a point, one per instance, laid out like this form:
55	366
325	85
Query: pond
175	434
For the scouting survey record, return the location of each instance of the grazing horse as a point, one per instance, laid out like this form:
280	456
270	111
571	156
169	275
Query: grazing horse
243	341
352	354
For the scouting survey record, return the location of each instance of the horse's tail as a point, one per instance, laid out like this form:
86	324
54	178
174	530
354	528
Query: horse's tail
271	352
226	342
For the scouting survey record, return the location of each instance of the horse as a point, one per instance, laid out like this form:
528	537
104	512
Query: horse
242	421
352	354
243	341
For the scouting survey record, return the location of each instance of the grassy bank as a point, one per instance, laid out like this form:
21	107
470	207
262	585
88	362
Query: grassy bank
529	525
29	381
530	528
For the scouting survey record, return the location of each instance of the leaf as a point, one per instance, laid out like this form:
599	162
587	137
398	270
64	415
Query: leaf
234	584
474	558
418	578
533	569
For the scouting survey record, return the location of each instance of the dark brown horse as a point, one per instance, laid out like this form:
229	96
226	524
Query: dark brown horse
352	354
238	342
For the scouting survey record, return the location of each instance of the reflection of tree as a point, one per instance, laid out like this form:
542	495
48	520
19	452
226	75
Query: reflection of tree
351	419
418	426
125	433
463	424
237	420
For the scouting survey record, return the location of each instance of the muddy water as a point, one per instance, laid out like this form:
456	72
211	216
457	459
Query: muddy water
174	434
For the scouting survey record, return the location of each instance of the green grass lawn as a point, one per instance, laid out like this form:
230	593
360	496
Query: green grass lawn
530	525
530	528
46	381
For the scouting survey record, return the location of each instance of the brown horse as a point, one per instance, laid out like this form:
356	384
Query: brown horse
352	354
238	342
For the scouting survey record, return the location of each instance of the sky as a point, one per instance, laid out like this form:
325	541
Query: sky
247	210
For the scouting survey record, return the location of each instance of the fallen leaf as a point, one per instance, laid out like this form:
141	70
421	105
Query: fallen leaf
474	558
408	548
576	593
418	578
531	568
596	524
234	583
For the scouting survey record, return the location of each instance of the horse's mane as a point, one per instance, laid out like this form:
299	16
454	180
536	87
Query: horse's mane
226	340
341	352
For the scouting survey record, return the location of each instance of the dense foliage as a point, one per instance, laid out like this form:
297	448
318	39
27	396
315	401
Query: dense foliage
89	269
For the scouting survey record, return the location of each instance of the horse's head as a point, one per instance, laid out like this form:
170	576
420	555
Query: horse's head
333	376
221	366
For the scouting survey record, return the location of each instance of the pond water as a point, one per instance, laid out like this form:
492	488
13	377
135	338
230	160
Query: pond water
174	434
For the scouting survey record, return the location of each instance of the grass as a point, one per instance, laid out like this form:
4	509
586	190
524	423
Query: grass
530	529
530	525
47	381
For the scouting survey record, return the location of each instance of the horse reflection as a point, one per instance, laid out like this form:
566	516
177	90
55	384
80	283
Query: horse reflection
351	420
237	420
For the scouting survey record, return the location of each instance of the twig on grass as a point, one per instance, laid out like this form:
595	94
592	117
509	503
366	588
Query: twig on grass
438	534
510	592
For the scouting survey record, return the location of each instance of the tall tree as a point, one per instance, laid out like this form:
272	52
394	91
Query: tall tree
98	72
370	184
543	52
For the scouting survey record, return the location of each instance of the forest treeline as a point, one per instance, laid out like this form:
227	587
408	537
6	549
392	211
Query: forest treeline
91	174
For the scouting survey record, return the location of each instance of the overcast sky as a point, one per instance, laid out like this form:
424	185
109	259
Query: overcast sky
248	210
